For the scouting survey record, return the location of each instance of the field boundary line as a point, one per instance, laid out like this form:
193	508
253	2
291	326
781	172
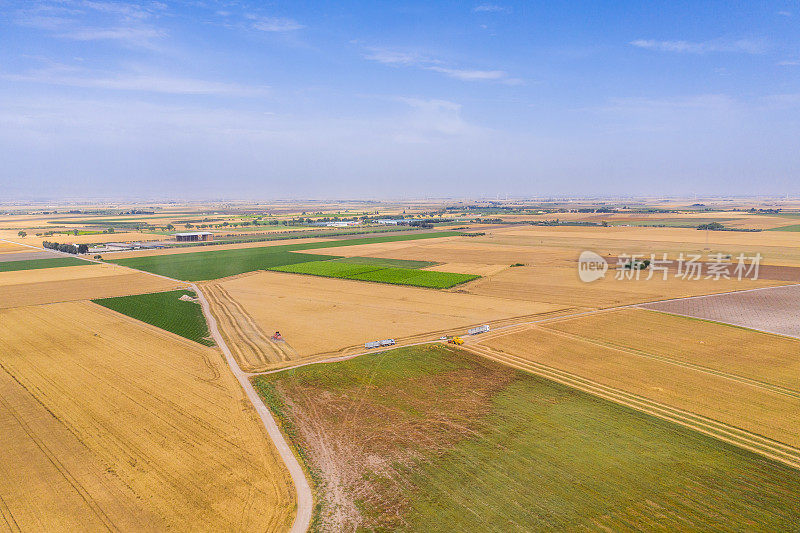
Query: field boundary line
305	498
738	437
664	359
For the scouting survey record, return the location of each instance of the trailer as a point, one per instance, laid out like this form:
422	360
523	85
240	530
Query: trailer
373	344
388	342
480	329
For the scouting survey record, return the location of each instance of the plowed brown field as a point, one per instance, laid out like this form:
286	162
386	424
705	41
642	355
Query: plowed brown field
108	423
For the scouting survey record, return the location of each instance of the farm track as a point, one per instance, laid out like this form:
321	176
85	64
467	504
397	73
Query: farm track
252	346
766	447
305	498
700	368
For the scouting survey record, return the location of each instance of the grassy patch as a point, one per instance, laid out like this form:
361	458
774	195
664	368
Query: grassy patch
387	263
363	272
164	310
197	266
793	227
216	264
328	269
676	222
431	439
417	278
34	264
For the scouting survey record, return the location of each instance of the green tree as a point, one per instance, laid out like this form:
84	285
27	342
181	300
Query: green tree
22	233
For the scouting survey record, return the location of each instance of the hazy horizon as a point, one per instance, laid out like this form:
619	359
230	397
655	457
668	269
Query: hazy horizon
236	100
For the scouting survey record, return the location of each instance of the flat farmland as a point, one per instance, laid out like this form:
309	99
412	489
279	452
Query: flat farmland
754	407
50	285
432	439
378	273
319	315
165	310
112	424
36	263
560	285
733	350
207	265
775	310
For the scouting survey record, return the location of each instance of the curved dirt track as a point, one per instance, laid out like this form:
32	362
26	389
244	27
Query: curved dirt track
305	499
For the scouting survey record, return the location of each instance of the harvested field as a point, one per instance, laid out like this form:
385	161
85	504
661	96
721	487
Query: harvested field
253	348
735	351
36	264
446	441
28	255
561	286
774	310
11	247
469	268
165	310
322	315
754	407
35	287
112	424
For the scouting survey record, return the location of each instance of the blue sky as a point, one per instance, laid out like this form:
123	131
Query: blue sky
259	100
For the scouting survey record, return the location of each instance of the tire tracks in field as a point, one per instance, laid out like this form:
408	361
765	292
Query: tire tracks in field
305	498
741	438
664	359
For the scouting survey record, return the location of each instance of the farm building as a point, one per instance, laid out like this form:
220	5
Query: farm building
194	236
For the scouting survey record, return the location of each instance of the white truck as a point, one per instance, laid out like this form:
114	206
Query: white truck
480	329
378	344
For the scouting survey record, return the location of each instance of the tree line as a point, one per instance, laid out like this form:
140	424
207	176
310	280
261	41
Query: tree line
67	248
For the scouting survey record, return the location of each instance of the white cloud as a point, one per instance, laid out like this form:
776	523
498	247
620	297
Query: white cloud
687	47
785	13
152	83
274	24
412	59
491	8
139	36
789	63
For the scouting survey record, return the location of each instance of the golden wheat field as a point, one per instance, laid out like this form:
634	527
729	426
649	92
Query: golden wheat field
319	315
63	284
108	423
725	397
744	352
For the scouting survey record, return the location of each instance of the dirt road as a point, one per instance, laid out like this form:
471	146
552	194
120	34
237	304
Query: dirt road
305	499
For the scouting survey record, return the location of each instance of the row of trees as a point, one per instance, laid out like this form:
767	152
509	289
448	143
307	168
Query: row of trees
67	248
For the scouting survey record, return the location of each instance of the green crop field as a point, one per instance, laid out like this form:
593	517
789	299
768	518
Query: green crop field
387	263
216	264
793	227
429	438
365	272
197	266
671	222
328	269
34	264
164	310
